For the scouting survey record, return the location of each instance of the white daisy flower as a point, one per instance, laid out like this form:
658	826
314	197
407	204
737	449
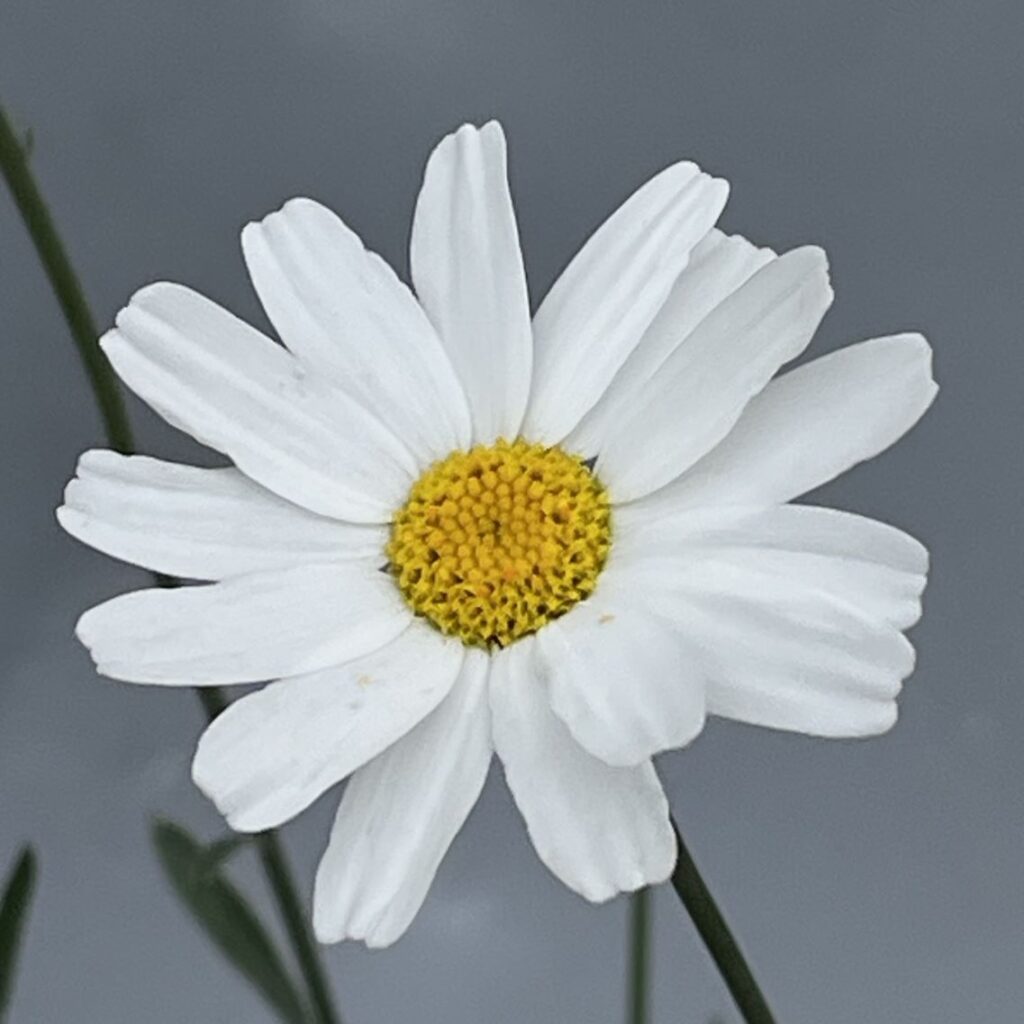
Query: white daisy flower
450	531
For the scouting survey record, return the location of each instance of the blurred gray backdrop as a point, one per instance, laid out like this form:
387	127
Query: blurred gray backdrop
869	881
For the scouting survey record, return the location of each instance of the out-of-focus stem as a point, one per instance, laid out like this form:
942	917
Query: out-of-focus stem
66	286
638	1005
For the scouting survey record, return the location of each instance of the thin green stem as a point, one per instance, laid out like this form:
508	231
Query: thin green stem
73	304
275	866
66	286
638	1006
282	885
213	700
717	937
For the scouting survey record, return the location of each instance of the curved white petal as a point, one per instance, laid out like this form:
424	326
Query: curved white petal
600	829
266	624
230	387
467	269
203	524
400	814
803	664
879	570
622	682
813	423
717	267
600	306
698	394
778	650
270	754
343	311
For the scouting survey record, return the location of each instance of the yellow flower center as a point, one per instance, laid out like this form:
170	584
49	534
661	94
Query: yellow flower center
494	542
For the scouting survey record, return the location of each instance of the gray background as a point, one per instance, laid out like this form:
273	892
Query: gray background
873	881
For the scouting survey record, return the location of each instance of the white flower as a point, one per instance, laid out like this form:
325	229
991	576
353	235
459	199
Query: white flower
428	589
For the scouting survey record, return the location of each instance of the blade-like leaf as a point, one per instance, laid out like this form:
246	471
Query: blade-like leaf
14	905
226	917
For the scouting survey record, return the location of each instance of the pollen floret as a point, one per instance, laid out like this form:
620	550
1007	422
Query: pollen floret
494	542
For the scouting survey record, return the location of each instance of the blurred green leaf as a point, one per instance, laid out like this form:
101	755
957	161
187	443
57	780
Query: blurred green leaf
14	905
225	916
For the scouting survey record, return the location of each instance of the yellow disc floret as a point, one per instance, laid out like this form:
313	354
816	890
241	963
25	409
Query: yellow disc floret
496	541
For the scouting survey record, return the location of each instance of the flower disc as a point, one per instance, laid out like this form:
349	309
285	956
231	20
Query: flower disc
494	542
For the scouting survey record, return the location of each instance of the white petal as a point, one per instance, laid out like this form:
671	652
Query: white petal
878	569
620	679
468	273
273	752
600	306
232	388
245	629
600	829
400	814
698	394
344	312
814	423
717	267
781	651
199	523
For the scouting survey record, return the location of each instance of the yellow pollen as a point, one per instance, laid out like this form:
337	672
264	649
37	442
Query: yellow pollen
494	542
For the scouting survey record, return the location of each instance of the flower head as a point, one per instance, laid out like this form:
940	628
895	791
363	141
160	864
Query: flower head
450	530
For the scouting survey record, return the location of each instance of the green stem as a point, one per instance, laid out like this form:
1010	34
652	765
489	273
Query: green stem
275	866
713	930
66	286
637	1010
282	885
71	298
213	700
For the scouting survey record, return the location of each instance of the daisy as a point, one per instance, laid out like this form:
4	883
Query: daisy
449	530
